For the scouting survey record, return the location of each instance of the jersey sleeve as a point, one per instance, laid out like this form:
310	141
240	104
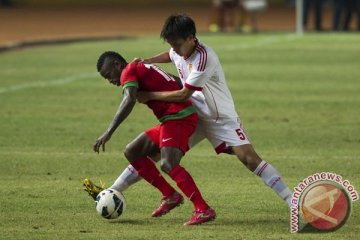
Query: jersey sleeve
201	73
129	76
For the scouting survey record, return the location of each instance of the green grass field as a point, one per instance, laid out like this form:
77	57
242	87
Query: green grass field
299	100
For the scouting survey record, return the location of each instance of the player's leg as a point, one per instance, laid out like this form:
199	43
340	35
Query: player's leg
306	9
357	10
230	137
270	176
338	6
146	168
134	149
137	153
139	147
174	143
170	163
170	159
318	14
129	176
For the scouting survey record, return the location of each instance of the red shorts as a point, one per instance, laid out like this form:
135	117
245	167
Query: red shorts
174	133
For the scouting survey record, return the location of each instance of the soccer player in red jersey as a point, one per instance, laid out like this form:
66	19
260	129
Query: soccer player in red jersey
204	84
170	137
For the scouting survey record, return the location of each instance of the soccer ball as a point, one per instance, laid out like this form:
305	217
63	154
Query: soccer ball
110	204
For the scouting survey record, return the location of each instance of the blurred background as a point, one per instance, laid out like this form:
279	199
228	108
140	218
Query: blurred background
38	21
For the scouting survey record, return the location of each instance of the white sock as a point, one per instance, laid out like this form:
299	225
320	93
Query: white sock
127	178
272	178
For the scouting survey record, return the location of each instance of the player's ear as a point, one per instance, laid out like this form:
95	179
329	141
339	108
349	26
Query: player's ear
117	64
190	37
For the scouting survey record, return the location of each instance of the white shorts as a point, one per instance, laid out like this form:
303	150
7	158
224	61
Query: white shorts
221	134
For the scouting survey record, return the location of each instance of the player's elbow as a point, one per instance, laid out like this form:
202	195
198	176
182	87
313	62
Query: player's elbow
130	100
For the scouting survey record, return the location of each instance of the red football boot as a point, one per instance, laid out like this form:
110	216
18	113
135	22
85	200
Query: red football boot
201	217
168	203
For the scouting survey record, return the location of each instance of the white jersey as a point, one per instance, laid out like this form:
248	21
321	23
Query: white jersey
202	72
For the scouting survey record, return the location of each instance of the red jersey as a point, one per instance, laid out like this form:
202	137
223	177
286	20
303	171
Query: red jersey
151	78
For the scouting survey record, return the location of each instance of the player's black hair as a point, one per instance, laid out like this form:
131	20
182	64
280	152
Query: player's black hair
178	26
108	54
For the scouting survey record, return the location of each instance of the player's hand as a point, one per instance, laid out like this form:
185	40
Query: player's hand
100	142
137	60
144	61
143	97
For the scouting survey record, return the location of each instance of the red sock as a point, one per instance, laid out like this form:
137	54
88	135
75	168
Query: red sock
147	170
187	185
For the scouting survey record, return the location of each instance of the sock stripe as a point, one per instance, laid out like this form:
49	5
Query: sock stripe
262	169
187	185
190	198
276	180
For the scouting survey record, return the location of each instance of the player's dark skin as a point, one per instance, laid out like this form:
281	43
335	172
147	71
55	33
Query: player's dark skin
142	145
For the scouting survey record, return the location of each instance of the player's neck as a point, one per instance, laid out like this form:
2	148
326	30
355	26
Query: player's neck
191	49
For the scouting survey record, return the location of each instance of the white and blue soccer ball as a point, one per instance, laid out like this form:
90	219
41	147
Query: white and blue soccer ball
110	204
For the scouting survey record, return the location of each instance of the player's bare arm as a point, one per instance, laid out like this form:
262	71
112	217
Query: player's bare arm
163	57
125	108
168	96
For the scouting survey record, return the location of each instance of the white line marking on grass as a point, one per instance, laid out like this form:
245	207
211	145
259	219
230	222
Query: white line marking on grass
261	41
206	155
59	81
314	157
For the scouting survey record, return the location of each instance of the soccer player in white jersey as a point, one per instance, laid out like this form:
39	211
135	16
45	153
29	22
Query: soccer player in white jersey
204	84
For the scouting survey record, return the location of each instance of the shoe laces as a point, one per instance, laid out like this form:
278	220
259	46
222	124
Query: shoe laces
165	201
199	213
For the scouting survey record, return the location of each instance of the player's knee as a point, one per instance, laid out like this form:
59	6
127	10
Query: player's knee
156	157
129	153
165	166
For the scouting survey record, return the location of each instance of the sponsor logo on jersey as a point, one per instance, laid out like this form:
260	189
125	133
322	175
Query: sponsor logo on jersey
166	139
